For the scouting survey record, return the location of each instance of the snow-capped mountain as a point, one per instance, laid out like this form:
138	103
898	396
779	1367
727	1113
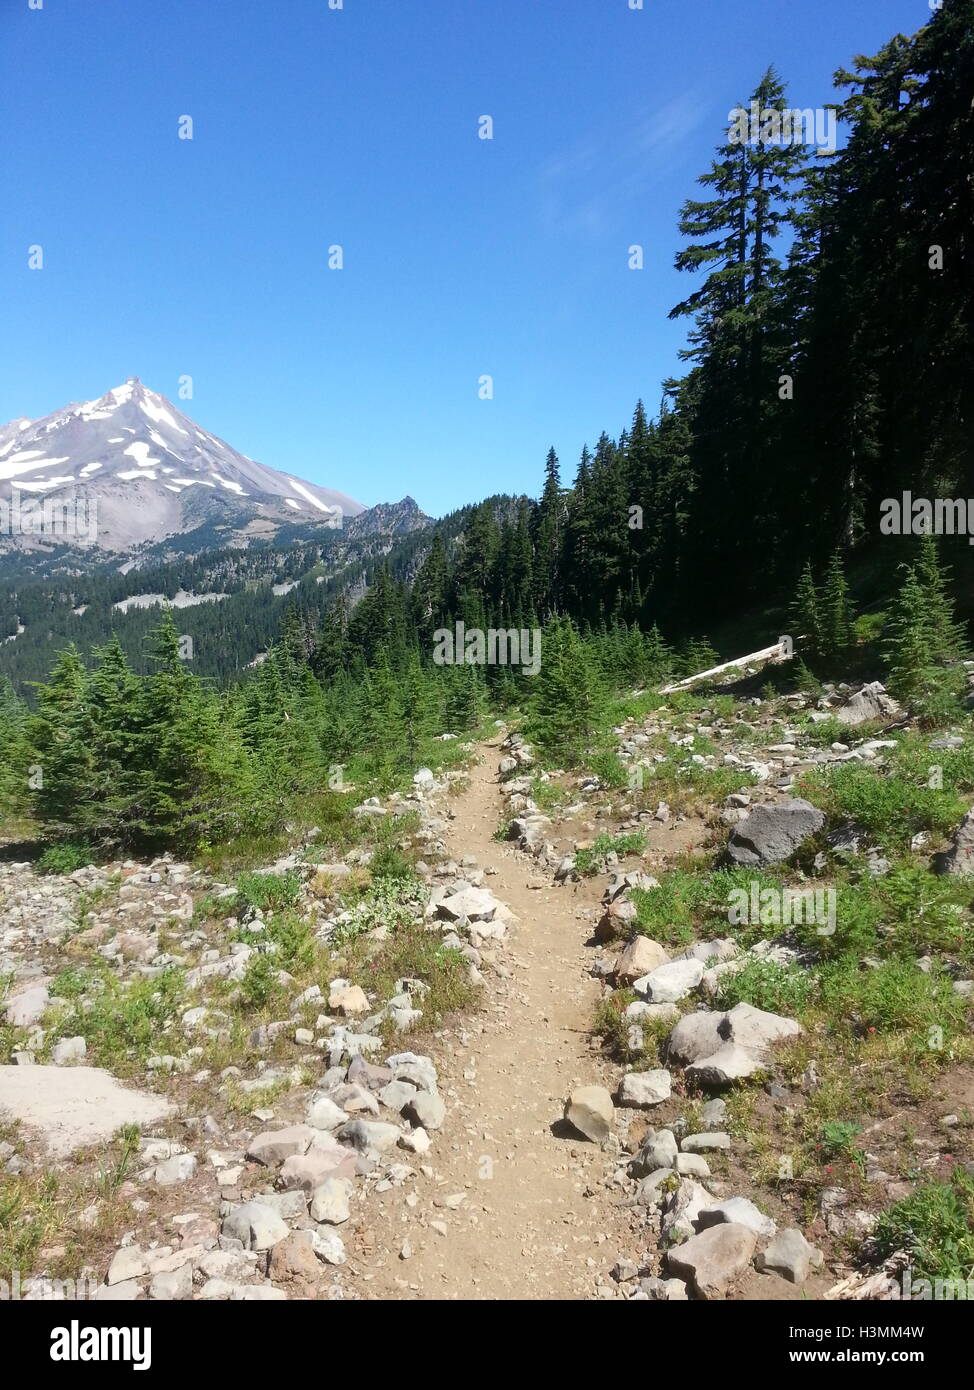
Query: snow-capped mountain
139	470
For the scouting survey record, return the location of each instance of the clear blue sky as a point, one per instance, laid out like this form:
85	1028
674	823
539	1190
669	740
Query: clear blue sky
358	126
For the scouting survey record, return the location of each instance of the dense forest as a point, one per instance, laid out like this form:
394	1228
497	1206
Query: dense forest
829	366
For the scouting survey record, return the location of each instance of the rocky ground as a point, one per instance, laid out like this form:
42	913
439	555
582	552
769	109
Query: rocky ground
484	1079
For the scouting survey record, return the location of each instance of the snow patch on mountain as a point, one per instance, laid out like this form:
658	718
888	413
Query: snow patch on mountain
150	472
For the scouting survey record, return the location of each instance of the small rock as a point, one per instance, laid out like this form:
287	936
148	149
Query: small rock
712	1261
589	1109
791	1256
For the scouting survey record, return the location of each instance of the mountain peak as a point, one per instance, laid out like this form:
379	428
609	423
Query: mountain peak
153	472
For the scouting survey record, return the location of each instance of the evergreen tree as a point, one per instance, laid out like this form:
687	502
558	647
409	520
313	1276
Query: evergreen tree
549	539
566	692
62	737
14	751
835	610
806	616
945	635
908	651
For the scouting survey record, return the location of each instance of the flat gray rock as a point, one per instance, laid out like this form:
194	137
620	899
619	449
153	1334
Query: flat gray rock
75	1107
704	1143
740	1211
772	833
729	1063
960	857
696	1035
644	1088
871	702
791	1256
712	1261
670	982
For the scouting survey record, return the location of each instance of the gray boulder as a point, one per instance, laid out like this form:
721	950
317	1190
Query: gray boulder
959	859
671	982
256	1225
741	1212
712	1261
871	702
772	833
644	1088
791	1256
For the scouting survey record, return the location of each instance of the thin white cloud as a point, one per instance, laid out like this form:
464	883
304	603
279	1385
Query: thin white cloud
586	186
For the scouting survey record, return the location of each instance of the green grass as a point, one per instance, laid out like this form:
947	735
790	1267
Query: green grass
837	1140
593	861
935	1226
906	913
122	1026
290	935
260	983
548	795
891	807
410	951
769	985
689	903
896	996
66	858
268	892
609	768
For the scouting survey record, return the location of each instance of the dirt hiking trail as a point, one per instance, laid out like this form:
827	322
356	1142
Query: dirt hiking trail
509	1193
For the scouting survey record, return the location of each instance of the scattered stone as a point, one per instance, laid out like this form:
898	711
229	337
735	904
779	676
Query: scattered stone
714	1112
589	1110
256	1225
773	831
293	1261
712	1261
959	859
692	1165
328	1246
323	1113
275	1145
871	702
68	1050
696	1035
682	1208
704	1143
739	1211
728	1064
659	1150
347	999
644	1088
415	1141
26	1007
179	1168
369	1135
173	1285
330	1201
664	1290
128	1263
641	957
425	1111
671	982
791	1256
395	1094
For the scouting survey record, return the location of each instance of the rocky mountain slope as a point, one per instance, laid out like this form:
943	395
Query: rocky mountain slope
142	471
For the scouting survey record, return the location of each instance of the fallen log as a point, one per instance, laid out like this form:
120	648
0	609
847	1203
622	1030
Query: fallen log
782	650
